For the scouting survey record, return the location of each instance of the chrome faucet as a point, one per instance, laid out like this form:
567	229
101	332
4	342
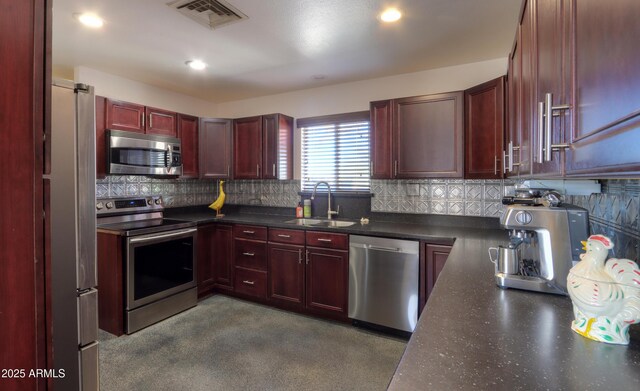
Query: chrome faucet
329	211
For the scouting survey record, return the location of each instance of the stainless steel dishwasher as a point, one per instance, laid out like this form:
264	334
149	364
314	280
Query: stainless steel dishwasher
383	281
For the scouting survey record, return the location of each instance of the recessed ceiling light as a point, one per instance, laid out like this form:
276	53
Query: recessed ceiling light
390	15
89	20
196	64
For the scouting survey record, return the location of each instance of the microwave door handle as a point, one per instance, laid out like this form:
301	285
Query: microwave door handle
168	159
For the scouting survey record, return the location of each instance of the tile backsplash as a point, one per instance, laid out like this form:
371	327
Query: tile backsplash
175	192
440	196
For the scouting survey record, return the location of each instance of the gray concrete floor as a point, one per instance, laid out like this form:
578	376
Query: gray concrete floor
229	344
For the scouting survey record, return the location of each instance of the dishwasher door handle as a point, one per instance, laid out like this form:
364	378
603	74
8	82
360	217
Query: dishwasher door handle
381	248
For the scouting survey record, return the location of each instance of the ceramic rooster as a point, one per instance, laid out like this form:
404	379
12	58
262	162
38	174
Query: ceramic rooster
606	296
217	204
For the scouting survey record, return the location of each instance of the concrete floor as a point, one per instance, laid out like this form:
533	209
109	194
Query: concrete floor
229	344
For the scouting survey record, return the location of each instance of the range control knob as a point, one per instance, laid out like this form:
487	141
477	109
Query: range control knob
523	217
109	205
99	205
150	201
158	201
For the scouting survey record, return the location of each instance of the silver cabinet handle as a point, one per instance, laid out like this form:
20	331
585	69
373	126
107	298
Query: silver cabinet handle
299	256
274	169
504	161
324	240
258	170
249	232
228	169
249	254
150	121
541	131
307	256
495	165
249	282
284	236
142	117
550	112
395	168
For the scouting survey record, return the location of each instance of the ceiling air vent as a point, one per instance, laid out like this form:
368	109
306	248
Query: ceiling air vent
209	13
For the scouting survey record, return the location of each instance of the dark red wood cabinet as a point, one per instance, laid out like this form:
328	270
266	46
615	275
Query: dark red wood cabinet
286	275
215	258
188	135
161	122
111	283
250	260
133	117
263	147
327	281
512	134
484	130
214	148
101	138
424	137
432	260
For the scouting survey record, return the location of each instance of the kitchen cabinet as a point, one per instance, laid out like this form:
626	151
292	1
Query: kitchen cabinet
250	260
512	135
432	260
263	147
188	135
215	258
423	134
527	86
327	274
137	118
484	130
111	279
605	137
214	148
286	268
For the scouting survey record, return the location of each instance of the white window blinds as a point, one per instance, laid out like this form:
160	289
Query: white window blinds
335	149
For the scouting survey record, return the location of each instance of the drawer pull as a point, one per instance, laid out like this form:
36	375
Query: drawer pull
248	282
299	256
249	232
324	240
284	236
249	254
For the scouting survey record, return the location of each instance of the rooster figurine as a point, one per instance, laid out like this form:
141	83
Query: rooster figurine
217	204
606	296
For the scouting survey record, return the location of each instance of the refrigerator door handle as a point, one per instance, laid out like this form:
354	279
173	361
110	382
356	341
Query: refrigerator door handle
88	317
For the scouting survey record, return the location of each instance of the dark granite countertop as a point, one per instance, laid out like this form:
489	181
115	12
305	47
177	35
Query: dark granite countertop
474	335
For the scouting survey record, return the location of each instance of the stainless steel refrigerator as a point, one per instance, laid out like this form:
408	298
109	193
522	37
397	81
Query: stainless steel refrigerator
73	236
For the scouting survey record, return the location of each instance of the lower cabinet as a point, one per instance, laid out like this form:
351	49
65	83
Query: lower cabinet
250	260
286	275
215	262
327	281
432	261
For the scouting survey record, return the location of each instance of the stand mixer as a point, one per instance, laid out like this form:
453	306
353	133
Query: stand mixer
544	242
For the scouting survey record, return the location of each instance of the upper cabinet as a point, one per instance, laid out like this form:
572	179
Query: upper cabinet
137	118
188	135
424	139
214	146
574	92
263	147
484	130
605	137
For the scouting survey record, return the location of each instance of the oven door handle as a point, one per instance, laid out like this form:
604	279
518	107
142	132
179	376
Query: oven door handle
157	237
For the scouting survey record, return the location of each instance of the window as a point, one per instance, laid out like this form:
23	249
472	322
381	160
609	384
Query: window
335	149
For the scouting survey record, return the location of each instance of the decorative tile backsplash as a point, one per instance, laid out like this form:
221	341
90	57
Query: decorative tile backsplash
263	192
614	213
440	196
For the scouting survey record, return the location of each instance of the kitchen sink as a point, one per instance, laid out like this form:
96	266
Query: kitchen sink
320	223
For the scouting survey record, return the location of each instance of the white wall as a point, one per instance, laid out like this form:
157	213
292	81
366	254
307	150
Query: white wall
355	96
117	87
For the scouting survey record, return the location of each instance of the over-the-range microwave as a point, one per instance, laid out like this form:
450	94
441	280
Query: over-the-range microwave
130	153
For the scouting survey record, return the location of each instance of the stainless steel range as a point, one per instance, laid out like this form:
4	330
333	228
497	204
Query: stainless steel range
159	258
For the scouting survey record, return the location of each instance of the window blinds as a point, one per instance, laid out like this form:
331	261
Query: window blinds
337	153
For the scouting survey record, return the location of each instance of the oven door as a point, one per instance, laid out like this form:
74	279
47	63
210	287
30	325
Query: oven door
160	265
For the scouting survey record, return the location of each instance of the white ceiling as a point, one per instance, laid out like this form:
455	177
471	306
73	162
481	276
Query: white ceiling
282	44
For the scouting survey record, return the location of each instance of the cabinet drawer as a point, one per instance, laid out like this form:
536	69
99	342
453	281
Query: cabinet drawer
251	282
327	239
251	254
250	232
290	236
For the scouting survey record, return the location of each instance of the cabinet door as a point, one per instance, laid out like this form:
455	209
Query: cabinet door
432	261
188	135
160	122
125	116
206	253
101	138
327	281
214	148
527	89
286	275
512	151
606	131
277	147
223	257
247	148
428	136
484	130
552	66
381	151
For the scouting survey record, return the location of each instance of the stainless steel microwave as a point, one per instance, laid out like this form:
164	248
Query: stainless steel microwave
131	153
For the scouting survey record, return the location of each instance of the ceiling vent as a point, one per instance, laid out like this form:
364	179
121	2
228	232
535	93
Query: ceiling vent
209	13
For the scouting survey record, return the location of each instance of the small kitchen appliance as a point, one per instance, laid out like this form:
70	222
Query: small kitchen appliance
131	153
544	242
